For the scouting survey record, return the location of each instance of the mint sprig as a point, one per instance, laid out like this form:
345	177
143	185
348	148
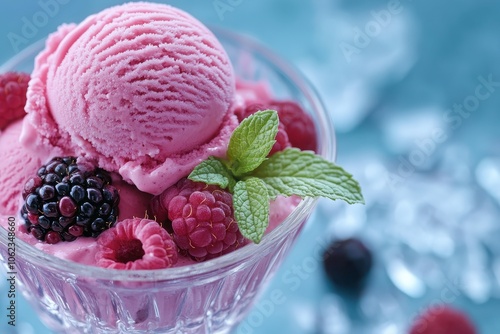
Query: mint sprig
254	179
252	141
251	207
303	173
215	171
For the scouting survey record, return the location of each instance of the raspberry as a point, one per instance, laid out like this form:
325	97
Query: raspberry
251	109
201	218
442	320
13	87
347	263
134	244
297	124
282	141
67	200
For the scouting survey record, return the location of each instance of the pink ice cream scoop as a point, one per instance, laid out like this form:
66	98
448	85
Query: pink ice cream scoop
144	89
17	165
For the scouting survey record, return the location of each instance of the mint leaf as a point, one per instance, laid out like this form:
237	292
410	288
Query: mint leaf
251	208
254	179
302	173
213	171
252	141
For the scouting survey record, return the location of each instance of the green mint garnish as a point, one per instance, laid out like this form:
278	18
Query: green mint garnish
251	142
213	171
251	208
303	173
254	179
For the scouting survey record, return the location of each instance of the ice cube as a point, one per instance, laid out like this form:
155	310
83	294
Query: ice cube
476	284
475	280
332	317
412	133
304	315
404	279
488	176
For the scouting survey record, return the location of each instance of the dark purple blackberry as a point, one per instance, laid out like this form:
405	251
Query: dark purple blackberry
64	201
347	263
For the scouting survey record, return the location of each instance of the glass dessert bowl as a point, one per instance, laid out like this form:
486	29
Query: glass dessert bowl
210	297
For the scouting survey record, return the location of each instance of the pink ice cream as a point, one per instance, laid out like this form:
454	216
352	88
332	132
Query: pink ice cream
16	166
143	89
146	92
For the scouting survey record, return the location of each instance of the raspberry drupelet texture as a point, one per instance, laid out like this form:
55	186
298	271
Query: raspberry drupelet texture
13	87
134	244
442	319
298	125
66	200
294	121
282	141
201	218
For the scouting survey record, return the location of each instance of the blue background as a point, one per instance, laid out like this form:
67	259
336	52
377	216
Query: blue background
390	73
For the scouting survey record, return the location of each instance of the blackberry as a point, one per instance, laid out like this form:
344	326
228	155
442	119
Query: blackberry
65	201
347	264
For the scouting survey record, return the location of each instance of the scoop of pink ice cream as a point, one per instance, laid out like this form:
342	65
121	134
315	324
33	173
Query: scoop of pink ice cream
17	165
144	89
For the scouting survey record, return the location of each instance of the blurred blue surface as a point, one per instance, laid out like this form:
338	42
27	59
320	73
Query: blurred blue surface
413	88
